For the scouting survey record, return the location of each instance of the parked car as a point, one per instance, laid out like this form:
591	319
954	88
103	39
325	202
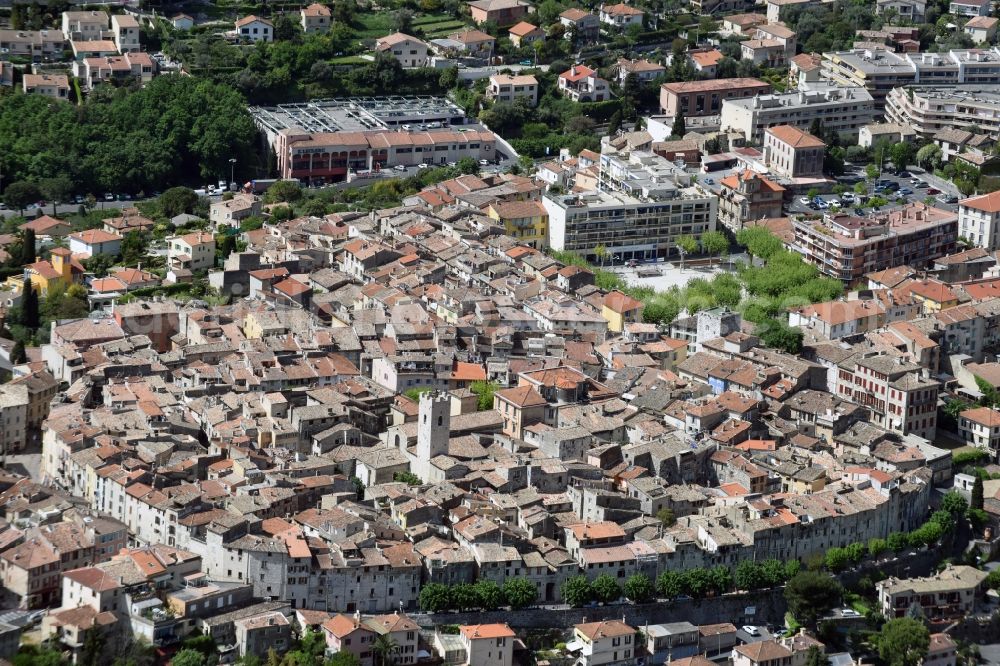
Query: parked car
751	630
805	201
423	165
399	167
108	196
850	612
933	190
905	191
484	163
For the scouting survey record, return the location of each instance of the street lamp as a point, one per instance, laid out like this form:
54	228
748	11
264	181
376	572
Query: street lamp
232	171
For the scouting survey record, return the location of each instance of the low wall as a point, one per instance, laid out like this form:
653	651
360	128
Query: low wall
769	607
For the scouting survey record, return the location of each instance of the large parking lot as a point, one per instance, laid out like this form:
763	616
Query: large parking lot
913	185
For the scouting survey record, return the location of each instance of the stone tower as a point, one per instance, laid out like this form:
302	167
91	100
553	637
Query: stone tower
433	429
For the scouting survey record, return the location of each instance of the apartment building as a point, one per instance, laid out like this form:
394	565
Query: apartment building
643	70
55	86
980	427
891	132
511	87
409	51
581	84
931	109
315	18
84	26
979	220
38	45
115	69
793	153
92	242
748	196
705	98
329	155
125	31
848	247
876	70
13	418
880	70
527	221
841	110
642	204
911	11
899	395
949	594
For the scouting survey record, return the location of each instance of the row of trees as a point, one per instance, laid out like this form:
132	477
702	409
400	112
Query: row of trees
484	594
749	575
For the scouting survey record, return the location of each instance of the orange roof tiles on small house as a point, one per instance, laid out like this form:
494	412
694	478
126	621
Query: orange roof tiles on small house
476	631
795	137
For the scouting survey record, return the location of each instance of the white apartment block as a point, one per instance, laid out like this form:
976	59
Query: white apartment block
844	110
509	88
927	110
84	26
643	204
125	29
979	220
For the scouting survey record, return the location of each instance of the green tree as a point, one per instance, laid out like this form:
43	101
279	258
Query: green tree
134	246
773	572
615	123
954	504
929	157
490	594
18	354
93	647
748	575
902	155
577	591
810	594
778	334
36	655
877	546
203	644
21	193
463	597
28	245
678	129
903	642
484	394
720	579
666	517
714	242
30	307
606	588
601	252
519	592
188	657
342	658
384	647
977	493
639	588
434	598
896	541
816	657
467	165
686	244
177	201
759	242
57	189
283	191
668	584
696	582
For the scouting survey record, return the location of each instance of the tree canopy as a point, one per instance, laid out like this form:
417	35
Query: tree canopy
173	130
903	642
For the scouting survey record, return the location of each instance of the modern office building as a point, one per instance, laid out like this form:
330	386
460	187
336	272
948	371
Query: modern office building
844	110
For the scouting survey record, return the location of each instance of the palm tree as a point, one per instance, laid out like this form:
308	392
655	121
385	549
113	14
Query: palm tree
384	646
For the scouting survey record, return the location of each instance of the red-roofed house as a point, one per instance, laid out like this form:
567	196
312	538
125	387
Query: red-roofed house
525	34
488	644
194	251
792	153
254	29
93	242
47	226
621	15
979	220
581	84
520	407
620	309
